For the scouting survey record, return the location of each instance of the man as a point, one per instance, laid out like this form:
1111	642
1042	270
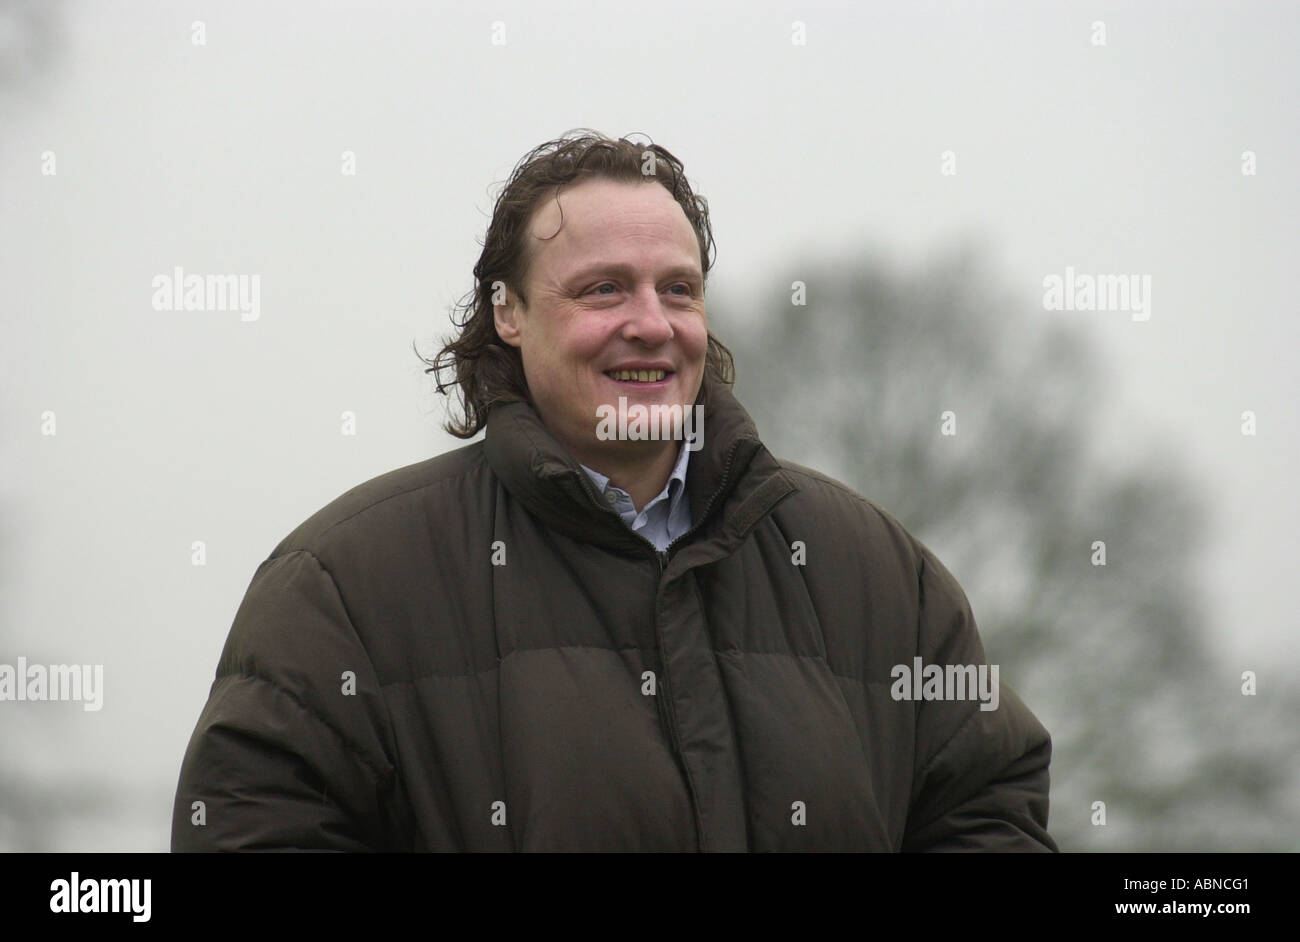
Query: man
561	639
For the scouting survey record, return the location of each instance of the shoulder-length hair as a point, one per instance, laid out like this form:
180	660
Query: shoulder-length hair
484	370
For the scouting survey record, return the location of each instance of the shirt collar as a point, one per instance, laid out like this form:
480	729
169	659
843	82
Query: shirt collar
673	493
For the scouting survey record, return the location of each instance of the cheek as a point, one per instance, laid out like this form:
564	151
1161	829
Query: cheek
695	339
583	346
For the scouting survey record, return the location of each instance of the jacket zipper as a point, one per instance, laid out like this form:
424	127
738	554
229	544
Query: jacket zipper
726	476
662	558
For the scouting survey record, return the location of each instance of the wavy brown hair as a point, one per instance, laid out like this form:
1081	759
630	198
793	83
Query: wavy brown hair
484	370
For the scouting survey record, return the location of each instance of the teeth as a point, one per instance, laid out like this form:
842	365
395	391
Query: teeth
639	376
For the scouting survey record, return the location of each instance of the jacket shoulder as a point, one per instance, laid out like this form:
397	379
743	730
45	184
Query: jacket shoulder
834	507
371	508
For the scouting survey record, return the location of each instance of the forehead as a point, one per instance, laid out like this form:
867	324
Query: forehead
611	220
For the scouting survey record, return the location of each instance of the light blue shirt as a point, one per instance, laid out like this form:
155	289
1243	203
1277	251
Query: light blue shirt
662	520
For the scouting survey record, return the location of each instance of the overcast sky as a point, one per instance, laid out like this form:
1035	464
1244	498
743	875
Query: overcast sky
172	427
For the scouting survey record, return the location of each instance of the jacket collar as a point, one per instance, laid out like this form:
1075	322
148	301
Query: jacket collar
732	483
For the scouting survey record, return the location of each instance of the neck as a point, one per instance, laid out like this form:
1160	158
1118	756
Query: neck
642	475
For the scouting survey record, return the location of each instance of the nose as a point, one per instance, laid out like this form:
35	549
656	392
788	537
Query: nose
647	319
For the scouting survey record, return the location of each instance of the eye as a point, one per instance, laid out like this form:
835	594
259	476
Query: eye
686	286
602	285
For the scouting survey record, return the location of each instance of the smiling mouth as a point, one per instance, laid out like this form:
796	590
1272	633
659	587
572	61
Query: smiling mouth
637	376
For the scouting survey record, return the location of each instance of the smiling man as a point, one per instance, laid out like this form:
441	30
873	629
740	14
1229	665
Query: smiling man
559	639
615	312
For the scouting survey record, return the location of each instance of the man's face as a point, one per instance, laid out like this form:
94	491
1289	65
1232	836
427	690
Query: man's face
619	288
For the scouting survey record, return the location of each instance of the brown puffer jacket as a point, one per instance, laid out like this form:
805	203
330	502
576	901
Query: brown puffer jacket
474	653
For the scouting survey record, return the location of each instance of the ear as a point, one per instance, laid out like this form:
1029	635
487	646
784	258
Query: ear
506	316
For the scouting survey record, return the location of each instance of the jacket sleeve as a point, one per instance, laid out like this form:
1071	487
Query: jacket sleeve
288	751
981	776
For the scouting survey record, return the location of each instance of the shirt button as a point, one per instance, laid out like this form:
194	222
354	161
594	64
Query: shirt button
611	497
